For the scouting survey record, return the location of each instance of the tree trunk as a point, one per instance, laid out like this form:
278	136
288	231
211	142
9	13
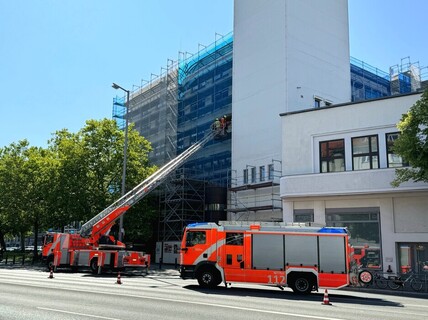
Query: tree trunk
2	245
22	234
36	235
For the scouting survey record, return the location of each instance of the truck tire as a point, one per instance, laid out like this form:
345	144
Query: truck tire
208	277
94	265
301	284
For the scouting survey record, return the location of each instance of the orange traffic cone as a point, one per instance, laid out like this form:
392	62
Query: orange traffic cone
326	300
51	274
118	281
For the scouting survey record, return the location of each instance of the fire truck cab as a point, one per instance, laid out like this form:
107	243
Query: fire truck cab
301	257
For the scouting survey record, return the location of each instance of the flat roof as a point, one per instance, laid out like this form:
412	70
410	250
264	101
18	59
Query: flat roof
350	103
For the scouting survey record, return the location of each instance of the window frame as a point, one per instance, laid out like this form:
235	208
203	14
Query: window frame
369	154
245	179
328	159
389	151
262	173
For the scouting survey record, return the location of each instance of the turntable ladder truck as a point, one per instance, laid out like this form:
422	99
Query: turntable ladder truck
93	246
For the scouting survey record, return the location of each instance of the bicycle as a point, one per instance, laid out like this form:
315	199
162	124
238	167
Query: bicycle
411	280
368	278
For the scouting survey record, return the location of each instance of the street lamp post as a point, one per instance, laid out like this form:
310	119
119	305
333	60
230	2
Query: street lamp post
125	152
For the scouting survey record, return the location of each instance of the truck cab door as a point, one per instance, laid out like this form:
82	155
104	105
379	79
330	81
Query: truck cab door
195	247
233	256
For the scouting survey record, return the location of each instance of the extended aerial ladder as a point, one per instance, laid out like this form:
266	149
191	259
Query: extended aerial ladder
92	246
98	223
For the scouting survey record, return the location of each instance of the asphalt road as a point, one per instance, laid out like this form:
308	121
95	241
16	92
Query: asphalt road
30	294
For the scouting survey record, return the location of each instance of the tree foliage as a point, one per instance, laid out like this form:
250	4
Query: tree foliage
412	144
73	179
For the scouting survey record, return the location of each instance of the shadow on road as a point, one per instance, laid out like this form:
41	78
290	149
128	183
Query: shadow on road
315	297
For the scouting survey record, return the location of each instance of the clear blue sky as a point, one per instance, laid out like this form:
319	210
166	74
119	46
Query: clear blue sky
58	58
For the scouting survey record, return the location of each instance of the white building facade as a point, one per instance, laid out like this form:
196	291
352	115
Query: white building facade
337	170
288	55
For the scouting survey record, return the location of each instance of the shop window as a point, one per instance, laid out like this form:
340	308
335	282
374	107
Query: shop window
303	215
413	257
364	227
365	153
332	156
393	159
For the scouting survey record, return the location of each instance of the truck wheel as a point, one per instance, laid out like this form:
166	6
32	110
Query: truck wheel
94	265
301	285
208	278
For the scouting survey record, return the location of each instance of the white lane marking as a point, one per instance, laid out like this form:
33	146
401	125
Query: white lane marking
77	313
203	303
188	302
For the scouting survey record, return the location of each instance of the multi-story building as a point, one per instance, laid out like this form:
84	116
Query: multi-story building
338	166
304	63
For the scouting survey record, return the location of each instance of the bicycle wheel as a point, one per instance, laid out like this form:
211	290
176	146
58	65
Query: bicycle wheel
381	283
394	284
416	284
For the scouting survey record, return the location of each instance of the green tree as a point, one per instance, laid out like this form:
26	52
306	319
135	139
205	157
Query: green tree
412	144
89	173
24	183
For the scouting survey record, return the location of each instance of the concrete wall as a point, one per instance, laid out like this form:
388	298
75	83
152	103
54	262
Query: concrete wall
302	132
285	53
403	210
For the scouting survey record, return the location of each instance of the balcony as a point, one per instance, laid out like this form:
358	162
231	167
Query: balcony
345	183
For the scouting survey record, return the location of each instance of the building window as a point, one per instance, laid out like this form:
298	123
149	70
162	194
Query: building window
270	171
364	227
317	102
332	156
253	174
262	173
365	153
245	176
303	215
393	159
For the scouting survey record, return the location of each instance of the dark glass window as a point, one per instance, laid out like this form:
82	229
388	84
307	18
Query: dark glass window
245	176
365	153
253	174
262	173
234	239
303	215
393	159
270	171
364	227
195	237
332	156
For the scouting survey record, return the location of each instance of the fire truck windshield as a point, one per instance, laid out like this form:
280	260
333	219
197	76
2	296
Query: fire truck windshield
195	237
48	239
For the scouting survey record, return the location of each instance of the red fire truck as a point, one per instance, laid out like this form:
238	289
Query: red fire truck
301	257
93	246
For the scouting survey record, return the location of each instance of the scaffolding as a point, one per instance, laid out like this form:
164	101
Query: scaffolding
182	202
173	110
405	77
256	197
368	82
